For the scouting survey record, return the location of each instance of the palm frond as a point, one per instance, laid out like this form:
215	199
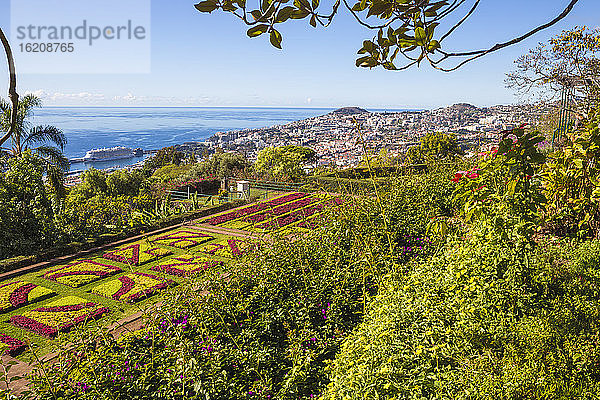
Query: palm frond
53	156
56	179
43	134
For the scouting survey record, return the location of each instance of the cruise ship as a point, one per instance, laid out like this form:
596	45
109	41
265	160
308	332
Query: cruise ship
108	154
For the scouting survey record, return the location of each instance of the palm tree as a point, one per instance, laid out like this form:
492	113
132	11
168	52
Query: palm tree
38	139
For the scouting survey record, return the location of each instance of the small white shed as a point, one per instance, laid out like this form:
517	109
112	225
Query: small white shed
243	187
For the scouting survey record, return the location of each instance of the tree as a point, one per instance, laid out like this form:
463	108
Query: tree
26	216
406	28
165	156
434	146
284	162
570	60
12	88
220	165
36	138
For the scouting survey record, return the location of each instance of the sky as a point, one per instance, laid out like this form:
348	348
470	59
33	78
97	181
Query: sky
206	60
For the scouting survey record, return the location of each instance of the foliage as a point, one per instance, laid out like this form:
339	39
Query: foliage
504	188
26	223
80	273
406	28
164	157
434	146
482	320
132	287
220	165
572	183
83	217
284	162
266	328
36	138
59	316
17	294
569	60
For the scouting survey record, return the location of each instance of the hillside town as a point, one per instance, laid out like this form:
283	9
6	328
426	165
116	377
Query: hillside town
337	137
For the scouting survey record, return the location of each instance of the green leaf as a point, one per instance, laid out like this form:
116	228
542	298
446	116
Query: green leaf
284	14
300	14
206	6
313	21
257	30
275	38
420	36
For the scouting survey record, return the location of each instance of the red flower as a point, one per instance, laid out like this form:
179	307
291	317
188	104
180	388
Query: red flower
457	177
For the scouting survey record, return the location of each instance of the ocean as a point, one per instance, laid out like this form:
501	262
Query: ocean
154	128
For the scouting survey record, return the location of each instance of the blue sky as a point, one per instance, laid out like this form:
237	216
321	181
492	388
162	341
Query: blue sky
207	60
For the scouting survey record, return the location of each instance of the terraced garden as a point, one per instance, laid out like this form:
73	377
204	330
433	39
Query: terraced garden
110	285
288	213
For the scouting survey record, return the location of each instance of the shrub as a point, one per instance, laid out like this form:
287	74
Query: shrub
481	320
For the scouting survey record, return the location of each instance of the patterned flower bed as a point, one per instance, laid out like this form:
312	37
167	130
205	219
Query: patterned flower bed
137	254
10	345
283	209
132	287
229	248
17	294
183	239
221	219
300	215
59	316
292	217
81	273
186	265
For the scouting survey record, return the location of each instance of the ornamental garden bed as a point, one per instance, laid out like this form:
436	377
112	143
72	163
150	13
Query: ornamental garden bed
132	287
183	239
37	306
186	265
80	273
137	253
59	316
20	293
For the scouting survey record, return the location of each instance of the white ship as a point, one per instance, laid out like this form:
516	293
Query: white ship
108	154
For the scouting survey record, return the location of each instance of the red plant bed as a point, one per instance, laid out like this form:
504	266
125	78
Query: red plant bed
221	219
14	346
25	322
283	209
182	266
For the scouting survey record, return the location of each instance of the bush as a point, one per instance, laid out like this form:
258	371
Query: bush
26	213
482	320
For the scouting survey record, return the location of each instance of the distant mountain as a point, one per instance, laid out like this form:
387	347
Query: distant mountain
463	107
349	111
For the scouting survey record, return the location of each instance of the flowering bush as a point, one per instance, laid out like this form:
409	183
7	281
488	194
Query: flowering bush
183	239
503	189
81	273
137	254
17	294
230	216
11	346
186	265
59	316
132	287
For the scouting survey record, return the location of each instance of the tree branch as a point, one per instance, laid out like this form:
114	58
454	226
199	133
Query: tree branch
499	46
12	89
